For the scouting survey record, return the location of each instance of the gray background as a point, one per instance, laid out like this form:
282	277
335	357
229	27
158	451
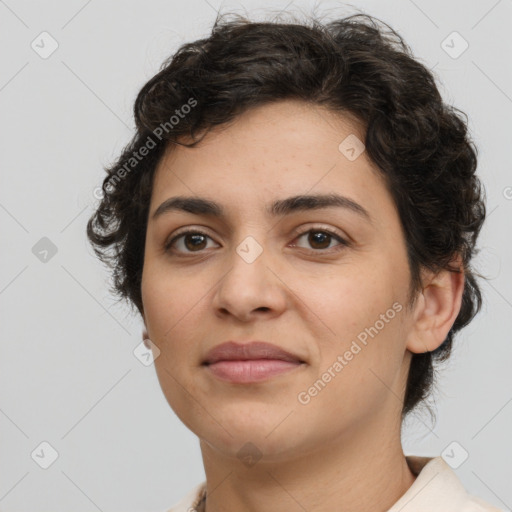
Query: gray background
68	374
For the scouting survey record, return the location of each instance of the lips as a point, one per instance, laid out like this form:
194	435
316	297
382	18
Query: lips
254	350
250	363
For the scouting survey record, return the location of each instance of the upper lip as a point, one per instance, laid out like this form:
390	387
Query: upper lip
233	351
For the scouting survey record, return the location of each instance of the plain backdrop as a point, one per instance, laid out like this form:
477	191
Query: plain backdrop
68	373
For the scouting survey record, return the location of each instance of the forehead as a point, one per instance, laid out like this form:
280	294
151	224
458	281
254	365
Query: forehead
271	152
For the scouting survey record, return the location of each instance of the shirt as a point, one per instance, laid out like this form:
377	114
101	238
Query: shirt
436	489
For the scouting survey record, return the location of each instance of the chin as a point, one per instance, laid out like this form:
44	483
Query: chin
251	449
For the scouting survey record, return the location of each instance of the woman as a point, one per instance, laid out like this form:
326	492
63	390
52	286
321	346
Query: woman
294	220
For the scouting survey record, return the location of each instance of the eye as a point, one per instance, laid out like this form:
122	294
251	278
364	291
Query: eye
194	240
321	238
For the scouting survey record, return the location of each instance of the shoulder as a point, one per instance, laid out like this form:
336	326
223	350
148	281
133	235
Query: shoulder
437	488
475	504
190	501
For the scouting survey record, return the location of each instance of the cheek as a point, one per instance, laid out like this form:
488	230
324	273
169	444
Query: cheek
359	365
363	312
176	308
350	298
173	310
168	297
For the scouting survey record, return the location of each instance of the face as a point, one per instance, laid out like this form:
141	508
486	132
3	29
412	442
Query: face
327	284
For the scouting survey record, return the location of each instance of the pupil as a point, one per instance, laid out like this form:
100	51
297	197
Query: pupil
197	238
317	236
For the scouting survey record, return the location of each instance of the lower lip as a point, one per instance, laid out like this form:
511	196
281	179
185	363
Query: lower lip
255	370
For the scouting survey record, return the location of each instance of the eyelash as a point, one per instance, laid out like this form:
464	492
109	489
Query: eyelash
343	243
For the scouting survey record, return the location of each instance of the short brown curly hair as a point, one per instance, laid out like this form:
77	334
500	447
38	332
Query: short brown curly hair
356	65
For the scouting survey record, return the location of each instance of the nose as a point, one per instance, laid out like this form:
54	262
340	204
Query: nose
250	289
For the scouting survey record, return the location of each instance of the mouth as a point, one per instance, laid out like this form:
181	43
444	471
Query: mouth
255	370
250	362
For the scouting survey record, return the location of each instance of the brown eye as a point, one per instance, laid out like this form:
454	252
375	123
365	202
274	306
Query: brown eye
194	241
321	239
188	242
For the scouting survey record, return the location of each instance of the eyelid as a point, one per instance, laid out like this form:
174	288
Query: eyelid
343	241
184	231
302	230
298	232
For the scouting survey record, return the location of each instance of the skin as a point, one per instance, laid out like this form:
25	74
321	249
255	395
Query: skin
342	450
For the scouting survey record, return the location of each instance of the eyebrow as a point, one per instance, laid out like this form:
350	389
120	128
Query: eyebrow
281	207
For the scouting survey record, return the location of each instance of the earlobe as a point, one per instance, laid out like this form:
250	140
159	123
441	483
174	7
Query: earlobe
436	310
144	328
145	338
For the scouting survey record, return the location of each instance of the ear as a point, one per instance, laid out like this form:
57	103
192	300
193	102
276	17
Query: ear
436	308
144	329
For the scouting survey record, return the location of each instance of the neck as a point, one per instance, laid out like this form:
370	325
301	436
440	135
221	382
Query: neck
356	472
